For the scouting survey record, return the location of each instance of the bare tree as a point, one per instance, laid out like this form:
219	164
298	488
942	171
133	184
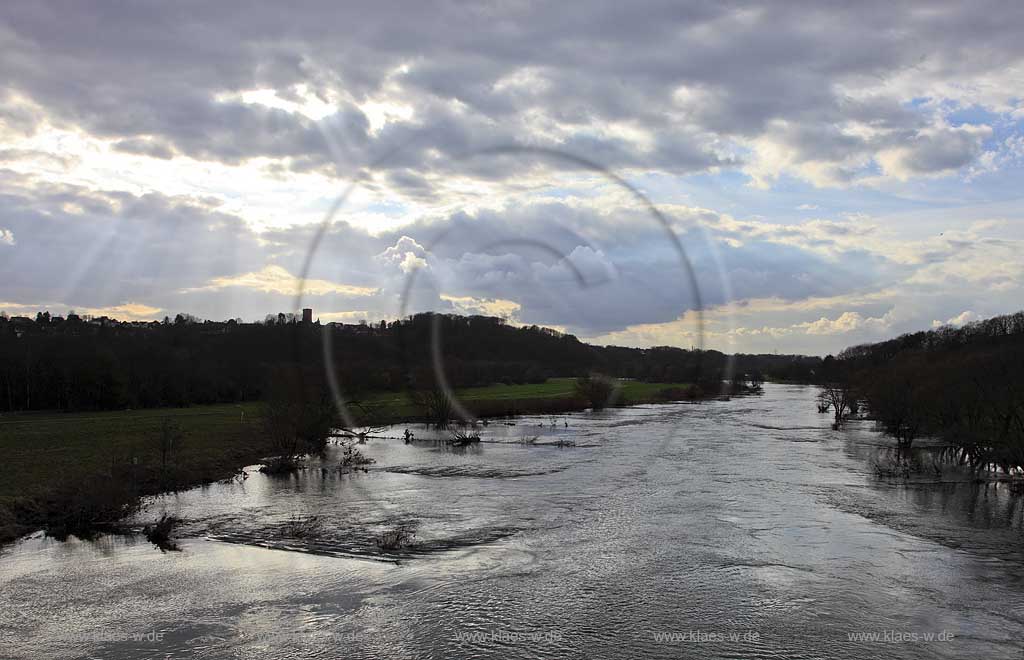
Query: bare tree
169	439
436	405
840	399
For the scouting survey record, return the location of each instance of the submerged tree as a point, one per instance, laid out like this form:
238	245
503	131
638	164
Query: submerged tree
840	399
837	391
435	405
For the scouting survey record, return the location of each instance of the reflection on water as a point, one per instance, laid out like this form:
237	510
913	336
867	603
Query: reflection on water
739	529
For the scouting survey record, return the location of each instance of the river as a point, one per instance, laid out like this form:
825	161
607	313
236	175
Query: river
726	529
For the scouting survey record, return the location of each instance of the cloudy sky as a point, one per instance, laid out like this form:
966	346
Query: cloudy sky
811	175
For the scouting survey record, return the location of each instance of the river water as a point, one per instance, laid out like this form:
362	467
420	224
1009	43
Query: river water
726	529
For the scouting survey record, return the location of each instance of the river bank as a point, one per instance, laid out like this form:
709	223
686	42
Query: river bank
62	469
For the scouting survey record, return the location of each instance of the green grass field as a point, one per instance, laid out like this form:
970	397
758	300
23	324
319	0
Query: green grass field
43	450
555	388
37	447
400	406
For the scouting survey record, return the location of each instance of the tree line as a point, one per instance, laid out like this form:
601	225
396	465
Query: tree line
74	363
959	385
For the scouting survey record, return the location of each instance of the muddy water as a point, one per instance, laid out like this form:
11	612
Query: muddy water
738	529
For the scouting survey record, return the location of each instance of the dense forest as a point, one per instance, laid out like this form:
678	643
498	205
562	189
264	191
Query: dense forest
959	385
75	363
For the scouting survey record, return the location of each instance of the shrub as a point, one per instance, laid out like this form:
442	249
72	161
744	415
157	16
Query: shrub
301	528
395	539
461	438
83	506
596	390
435	405
159	533
280	465
352	457
298	417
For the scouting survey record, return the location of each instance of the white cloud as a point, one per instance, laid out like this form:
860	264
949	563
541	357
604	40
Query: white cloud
275	279
350	316
406	254
6	237
505	309
963	318
128	311
845	323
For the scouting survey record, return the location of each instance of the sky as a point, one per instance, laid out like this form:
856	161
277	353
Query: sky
795	177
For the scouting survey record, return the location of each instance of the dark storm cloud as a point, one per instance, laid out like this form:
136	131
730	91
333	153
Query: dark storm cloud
166	72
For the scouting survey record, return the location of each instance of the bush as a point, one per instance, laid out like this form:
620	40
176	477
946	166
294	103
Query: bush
395	539
435	405
159	533
461	438
597	390
298	417
352	457
280	465
84	506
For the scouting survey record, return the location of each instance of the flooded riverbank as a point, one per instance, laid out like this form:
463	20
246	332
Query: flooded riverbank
743	528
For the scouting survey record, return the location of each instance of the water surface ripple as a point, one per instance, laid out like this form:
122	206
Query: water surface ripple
727	529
